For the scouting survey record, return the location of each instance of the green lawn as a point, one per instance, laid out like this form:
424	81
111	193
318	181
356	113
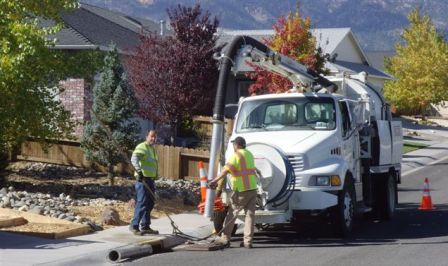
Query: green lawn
412	146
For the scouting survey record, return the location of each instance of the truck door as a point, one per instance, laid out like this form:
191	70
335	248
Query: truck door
349	138
350	145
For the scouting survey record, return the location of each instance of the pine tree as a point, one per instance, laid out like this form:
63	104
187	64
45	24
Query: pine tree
420	67
114	105
292	38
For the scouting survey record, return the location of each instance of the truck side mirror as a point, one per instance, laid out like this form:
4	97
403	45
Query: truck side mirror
230	110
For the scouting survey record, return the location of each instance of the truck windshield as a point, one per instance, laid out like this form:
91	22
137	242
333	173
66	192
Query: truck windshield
304	113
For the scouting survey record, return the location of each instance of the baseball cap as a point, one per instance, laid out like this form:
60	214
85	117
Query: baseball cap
240	141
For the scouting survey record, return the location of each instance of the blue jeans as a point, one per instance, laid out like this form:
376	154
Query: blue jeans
143	205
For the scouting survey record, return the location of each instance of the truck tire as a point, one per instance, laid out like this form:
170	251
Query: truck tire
385	191
344	214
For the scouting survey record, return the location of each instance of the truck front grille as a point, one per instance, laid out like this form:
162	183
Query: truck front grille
297	162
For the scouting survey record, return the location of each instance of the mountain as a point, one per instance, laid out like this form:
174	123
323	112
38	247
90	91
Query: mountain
376	23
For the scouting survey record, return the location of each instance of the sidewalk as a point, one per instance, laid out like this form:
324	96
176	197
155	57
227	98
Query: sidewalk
423	157
90	249
435	137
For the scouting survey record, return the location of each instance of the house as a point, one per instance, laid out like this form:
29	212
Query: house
345	53
90	27
377	58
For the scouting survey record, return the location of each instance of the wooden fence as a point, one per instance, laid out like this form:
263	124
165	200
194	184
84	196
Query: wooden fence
174	162
206	125
60	152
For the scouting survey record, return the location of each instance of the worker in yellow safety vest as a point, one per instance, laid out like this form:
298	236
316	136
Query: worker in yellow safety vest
144	159
243	183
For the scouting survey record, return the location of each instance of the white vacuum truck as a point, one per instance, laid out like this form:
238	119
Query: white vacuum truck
329	150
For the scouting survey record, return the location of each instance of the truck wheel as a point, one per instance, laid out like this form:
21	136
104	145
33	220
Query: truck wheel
344	213
385	196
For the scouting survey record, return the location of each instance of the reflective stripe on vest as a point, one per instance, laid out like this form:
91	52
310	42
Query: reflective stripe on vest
148	161
245	178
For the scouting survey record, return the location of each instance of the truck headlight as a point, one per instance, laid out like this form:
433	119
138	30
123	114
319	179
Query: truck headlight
325	181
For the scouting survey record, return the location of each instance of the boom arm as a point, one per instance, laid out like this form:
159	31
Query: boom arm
280	65
300	76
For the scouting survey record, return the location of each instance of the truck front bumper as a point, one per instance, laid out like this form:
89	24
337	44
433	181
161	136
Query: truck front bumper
313	200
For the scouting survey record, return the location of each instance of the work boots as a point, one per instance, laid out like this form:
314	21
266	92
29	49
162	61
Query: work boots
143	231
149	231
249	245
135	231
225	243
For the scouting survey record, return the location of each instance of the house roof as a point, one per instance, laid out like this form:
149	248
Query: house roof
135	24
376	58
329	39
344	66
89	27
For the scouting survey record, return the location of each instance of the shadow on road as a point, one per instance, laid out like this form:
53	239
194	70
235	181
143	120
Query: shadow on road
409	226
411	125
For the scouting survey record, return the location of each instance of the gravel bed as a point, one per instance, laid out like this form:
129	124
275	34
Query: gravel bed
47	200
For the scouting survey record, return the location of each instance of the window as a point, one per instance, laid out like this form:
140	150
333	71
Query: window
320	114
345	117
282	113
299	113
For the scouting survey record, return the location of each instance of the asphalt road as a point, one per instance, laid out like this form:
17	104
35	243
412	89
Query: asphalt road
412	237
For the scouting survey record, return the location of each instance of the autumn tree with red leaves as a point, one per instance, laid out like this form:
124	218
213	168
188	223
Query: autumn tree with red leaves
292	38
175	77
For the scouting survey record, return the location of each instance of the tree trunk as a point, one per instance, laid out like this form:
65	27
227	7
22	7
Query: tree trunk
174	132
3	164
110	174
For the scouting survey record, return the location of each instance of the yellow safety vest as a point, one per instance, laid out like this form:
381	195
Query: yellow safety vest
148	161
242	168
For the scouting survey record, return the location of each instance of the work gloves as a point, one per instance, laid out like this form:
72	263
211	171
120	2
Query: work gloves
139	176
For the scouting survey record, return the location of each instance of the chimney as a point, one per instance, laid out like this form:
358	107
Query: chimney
162	27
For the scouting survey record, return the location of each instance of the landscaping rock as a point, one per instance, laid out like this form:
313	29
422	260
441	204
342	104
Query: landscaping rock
23	208
49	206
94	226
110	216
36	199
37	210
